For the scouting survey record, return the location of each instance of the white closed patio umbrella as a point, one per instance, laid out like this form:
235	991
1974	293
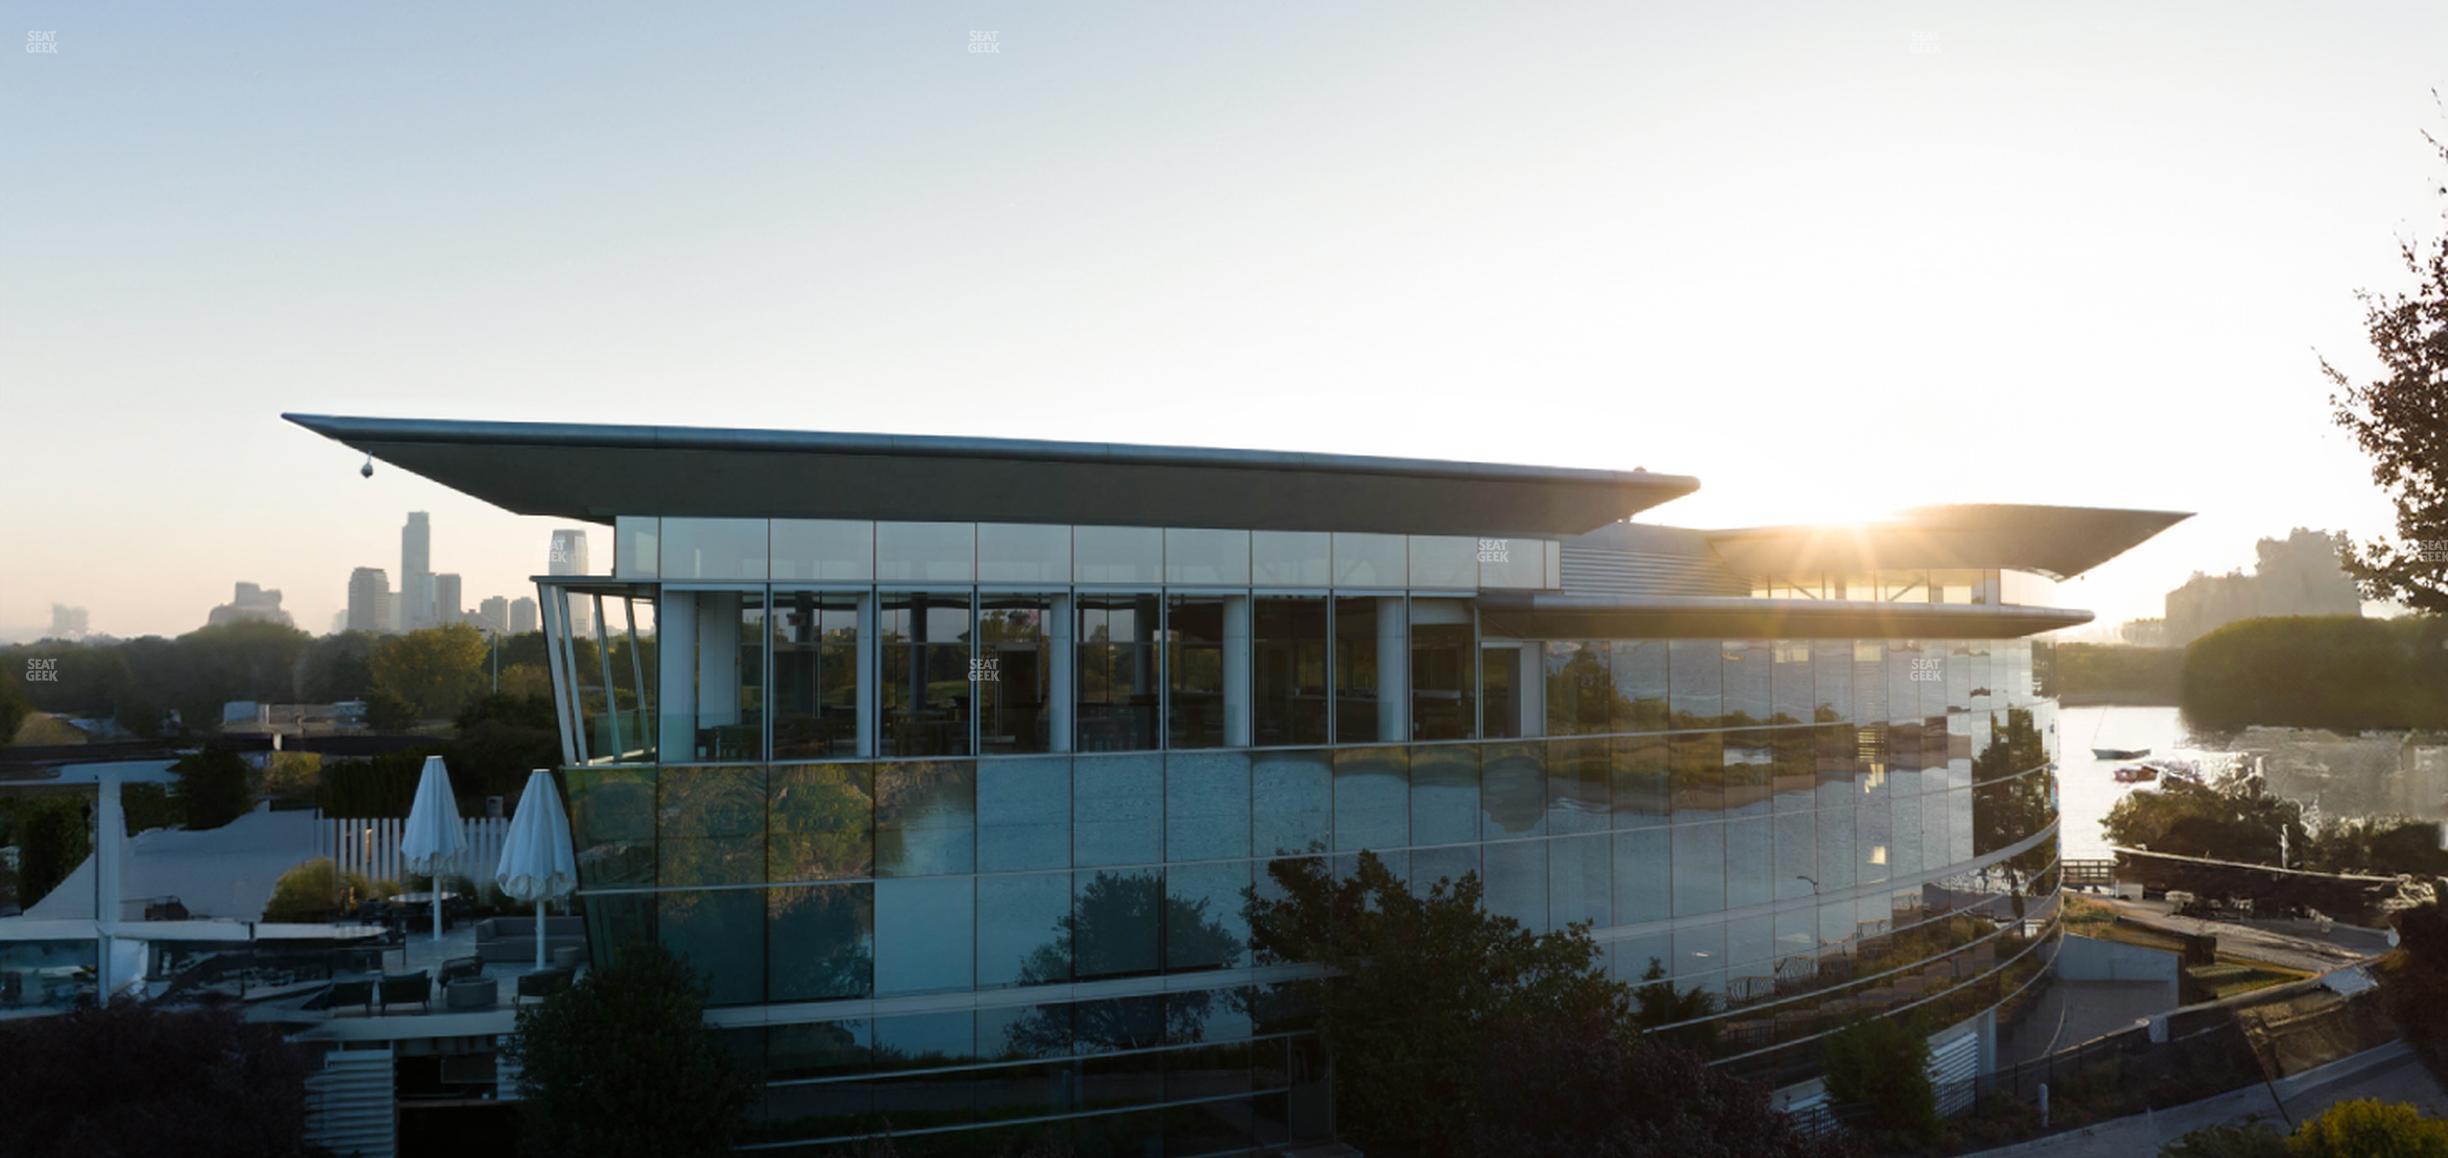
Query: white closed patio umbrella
536	862
434	838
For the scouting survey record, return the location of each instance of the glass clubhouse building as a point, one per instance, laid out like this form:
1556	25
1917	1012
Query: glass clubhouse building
949	761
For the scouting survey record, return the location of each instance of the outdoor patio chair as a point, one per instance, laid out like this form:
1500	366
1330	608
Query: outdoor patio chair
359	993
542	983
407	988
460	967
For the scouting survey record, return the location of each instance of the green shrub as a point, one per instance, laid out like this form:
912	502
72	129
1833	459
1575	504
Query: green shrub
2369	1128
1882	1066
2249	1141
316	890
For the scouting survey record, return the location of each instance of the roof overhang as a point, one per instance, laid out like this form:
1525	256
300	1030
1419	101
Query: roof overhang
594	473
1528	615
2060	542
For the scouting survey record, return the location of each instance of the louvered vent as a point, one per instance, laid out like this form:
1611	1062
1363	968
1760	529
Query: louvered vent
1595	570
350	1108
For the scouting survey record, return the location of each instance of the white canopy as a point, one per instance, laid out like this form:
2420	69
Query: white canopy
434	838
536	862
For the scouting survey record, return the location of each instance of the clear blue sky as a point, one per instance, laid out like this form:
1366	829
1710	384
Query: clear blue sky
1831	259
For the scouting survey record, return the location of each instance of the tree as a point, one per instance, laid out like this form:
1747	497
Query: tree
2248	1141
437	669
1658	1003
622	1066
2401	421
2369	1128
52	840
389	711
315	890
212	787
13	707
211	1083
2415	977
1882	1065
2228	819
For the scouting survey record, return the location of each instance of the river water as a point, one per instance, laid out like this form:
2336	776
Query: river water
2087	787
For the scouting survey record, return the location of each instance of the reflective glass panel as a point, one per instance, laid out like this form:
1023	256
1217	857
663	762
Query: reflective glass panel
815	658
926	818
1204	924
1117	924
924	693
1444	793
716	549
1117	810
1357	623
1024	814
1698	682
1639	702
1512	790
1644	876
1516	881
1207	558
1443	690
1369	560
720	933
1448	561
1117	554
1207	806
840	550
1291	558
1014	676
712	826
1578	791
1120	676
926	552
924	937
1288	655
1750	857
1640	791
1372	804
1194	662
1023	935
1750	676
820	942
1291	802
823	822
1580	880
1699	869
1023	553
1580	687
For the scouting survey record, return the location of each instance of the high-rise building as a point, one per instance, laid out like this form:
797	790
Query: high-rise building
447	608
368	590
569	557
1062	705
67	622
340	621
493	615
251	604
416	588
522	615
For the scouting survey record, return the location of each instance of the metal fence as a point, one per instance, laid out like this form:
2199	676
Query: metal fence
372	847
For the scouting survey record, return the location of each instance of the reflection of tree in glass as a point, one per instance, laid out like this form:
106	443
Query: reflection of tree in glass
820	939
1115	913
1656	1002
821	816
2008	805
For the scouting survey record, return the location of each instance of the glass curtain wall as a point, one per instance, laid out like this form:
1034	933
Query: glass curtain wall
1120	676
1288	655
1015	674
924	690
816	675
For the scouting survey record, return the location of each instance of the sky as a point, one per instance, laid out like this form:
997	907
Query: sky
1834	260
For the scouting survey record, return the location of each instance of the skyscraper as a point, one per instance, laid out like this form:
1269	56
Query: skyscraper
493	615
416	573
522	615
569	557
251	604
447	608
368	588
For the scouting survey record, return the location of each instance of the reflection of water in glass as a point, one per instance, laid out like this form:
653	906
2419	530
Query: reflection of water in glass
2087	786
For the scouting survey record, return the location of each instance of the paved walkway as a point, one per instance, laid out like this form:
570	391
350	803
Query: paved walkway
2391	1073
2289	944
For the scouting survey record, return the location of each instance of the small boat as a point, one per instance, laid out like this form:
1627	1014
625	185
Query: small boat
2119	753
2136	774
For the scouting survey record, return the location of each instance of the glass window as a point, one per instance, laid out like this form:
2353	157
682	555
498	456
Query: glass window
1749	682
1644	876
1119	673
1750	854
1874	832
1372	798
1698	682
815	657
1117	810
1290	558
1579	687
1870	682
923	939
1639	700
1023	553
1443	642
820	942
1796	691
925	691
1640	792
1699	950
1288	655
1291	802
1117	554
1516	882
1116	925
926	552
1957	586
1580	880
1513	564
730	676
1022	934
1699	869
732	549
1205	927
1444	561
1832	677
926	818
823	822
1356	625
1207	558
1194	662
712	826
1696	775
1578	772
721	934
1512	790
1904	845
1014	675
1024	814
1500	686
636	547
1207	806
612	824
1369	560
1904	586
1797	769
839	550
1444	793
1431	867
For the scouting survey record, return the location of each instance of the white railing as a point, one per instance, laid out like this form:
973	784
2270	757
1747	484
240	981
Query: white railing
372	847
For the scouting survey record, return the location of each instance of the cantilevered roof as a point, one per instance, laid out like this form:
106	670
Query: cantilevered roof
596	472
2060	542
